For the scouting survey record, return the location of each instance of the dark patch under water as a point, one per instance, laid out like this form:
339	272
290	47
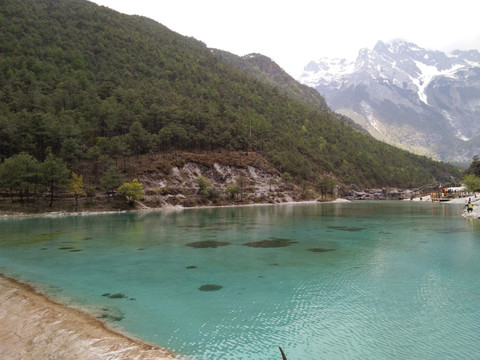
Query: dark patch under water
114	296
452	231
207	244
111	314
191	267
210	287
346	228
75	250
197	226
117	296
319	250
271	243
65	248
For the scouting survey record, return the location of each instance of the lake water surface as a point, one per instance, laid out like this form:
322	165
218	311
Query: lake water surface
363	280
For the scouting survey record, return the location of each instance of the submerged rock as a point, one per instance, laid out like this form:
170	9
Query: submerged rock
346	228
271	243
115	296
210	287
318	250
207	244
111	314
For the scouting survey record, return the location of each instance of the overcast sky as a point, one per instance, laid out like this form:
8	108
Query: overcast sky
294	32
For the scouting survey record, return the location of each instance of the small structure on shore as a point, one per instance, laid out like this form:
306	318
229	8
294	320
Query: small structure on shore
447	194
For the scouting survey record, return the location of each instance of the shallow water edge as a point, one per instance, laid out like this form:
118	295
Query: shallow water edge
53	214
35	327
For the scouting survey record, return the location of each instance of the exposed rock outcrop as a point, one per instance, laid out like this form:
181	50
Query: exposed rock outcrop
255	180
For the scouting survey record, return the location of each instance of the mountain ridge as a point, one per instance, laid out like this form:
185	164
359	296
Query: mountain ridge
422	100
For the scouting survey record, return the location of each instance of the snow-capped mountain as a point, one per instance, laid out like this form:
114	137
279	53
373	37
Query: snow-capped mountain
422	100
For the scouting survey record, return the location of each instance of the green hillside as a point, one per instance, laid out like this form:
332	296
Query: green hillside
264	69
80	83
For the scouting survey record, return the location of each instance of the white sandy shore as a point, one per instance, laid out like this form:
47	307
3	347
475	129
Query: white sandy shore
35	327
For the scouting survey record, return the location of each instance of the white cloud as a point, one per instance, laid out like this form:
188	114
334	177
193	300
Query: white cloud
294	32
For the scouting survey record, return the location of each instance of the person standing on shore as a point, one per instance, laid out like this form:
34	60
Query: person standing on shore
469	206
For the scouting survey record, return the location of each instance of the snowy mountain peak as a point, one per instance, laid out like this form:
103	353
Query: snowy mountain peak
398	47
399	85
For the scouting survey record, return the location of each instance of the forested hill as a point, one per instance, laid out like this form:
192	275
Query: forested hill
267	71
80	82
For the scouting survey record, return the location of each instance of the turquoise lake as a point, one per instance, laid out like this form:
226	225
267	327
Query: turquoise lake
361	280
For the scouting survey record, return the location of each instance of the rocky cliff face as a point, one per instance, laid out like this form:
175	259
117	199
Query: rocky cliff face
425	101
174	180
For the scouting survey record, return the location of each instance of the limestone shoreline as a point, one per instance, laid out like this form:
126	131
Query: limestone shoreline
36	327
